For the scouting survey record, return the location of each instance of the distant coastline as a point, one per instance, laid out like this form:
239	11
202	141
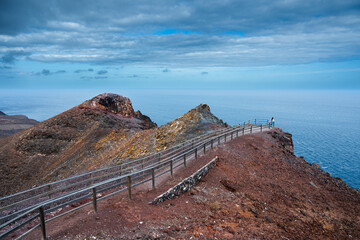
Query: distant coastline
11	124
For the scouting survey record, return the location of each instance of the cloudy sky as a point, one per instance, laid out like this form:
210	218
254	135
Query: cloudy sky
227	44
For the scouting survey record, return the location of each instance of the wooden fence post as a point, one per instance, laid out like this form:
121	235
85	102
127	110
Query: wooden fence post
42	222
212	143
231	135
251	129
153	177
171	168
243	131
129	186
204	148
50	189
261	128
219	140
237	133
94	199
225	137
91	178
196	153
184	160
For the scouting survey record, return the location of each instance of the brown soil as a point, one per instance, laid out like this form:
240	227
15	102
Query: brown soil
258	190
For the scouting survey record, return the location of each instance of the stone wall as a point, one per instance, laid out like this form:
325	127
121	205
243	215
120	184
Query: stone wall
186	184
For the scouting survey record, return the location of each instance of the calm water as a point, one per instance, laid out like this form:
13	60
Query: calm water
325	124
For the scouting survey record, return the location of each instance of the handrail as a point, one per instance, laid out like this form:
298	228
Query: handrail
52	191
101	176
99	170
104	169
141	174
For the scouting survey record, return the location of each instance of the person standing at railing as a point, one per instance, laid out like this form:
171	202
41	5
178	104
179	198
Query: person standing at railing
272	122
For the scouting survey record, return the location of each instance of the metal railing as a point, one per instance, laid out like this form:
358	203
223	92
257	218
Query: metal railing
134	173
24	200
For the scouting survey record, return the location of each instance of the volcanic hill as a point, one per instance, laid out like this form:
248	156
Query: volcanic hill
102	131
11	124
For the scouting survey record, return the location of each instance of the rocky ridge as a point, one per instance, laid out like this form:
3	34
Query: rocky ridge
197	121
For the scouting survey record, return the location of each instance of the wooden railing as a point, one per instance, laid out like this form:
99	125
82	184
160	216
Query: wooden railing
32	205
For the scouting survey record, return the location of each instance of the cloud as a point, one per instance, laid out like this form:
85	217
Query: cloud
10	56
102	72
204	73
209	16
5	67
83	70
133	76
47	72
101	77
166	70
187	33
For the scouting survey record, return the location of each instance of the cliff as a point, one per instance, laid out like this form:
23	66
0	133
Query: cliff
11	124
257	190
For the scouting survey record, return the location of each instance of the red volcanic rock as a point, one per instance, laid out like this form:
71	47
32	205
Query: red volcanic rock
117	105
112	103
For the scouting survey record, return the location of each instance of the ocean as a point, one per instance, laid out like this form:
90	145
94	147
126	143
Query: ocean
325	124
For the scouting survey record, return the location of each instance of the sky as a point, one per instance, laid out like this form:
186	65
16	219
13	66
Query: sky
165	44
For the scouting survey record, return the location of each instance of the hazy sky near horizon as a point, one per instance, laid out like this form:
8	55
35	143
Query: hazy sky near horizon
206	44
